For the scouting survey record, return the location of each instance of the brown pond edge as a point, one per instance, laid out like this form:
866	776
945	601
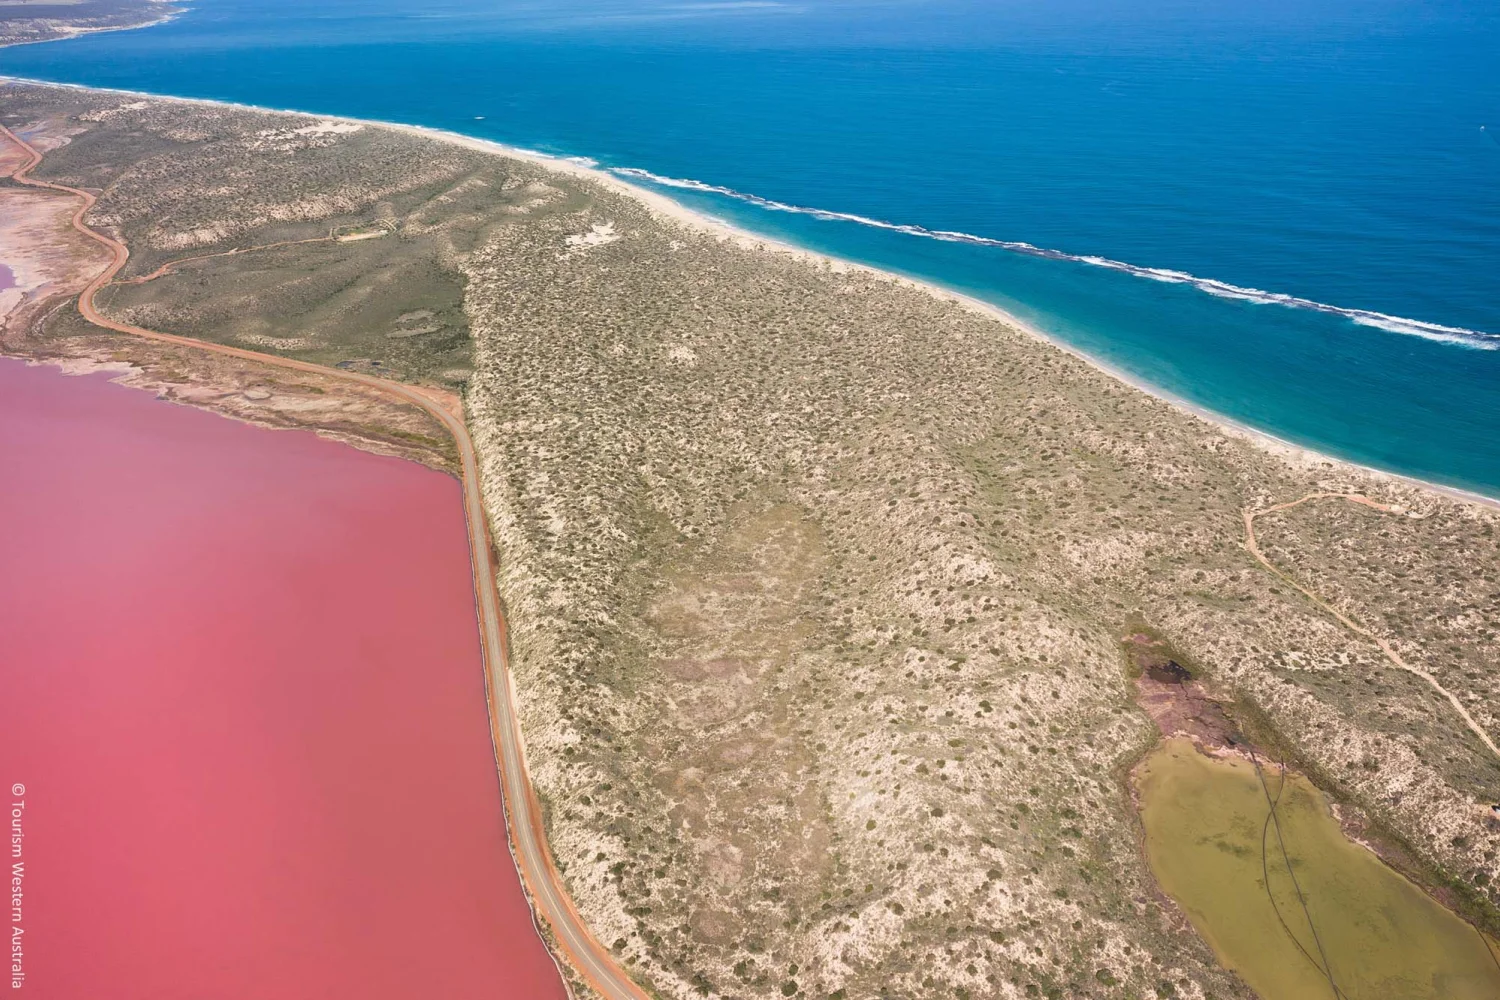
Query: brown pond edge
1220	724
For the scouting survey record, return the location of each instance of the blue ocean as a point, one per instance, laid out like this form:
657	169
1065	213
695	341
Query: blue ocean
1285	211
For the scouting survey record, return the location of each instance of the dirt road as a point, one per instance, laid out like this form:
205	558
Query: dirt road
1253	547
572	939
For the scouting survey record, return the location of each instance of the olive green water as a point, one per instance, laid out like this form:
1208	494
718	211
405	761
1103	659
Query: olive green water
1384	939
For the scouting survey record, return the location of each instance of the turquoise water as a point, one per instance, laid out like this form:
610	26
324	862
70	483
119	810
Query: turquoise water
1325	165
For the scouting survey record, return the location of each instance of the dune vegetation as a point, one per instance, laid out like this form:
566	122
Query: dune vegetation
819	581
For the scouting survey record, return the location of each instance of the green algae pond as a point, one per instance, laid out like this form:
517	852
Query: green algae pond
1356	930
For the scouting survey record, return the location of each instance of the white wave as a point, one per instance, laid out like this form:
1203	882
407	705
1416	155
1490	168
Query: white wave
1459	336
1430	331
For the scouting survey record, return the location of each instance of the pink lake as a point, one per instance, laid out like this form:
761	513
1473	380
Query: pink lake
242	689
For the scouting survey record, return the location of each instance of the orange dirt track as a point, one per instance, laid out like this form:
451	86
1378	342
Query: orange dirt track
549	899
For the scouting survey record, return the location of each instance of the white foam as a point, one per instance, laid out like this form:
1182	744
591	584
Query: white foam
1458	336
1228	423
1437	332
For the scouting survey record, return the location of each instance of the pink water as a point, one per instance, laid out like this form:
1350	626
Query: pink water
240	681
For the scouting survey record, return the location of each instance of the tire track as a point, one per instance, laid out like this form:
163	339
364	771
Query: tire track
1385	647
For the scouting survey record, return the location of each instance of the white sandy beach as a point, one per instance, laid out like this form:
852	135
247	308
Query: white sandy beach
665	208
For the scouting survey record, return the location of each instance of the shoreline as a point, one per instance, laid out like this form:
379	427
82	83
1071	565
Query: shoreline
664	207
530	852
137	375
72	32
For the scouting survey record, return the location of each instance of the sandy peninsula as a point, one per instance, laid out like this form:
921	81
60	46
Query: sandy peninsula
820	581
27	21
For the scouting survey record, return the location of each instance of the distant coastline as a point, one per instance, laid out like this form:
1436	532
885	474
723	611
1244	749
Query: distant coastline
60	30
665	207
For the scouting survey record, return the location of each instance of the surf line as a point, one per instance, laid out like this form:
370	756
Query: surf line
1457	335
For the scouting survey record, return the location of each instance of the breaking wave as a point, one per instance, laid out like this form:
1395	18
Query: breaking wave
1459	336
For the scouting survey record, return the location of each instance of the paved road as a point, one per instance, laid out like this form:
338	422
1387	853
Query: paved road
575	943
